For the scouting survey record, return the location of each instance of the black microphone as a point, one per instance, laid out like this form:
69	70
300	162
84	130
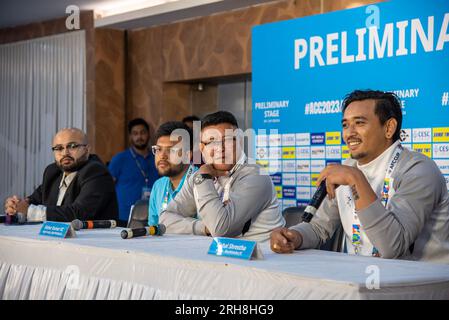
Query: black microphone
315	202
93	224
158	230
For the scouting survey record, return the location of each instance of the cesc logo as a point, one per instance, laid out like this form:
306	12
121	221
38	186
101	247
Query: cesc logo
441	150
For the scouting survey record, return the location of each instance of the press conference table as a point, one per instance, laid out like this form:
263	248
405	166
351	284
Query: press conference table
98	264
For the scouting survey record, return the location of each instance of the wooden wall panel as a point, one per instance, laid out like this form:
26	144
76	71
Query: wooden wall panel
109	92
144	76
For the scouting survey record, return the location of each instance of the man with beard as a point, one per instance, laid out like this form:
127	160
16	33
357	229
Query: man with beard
392	202
76	186
133	170
172	158
226	197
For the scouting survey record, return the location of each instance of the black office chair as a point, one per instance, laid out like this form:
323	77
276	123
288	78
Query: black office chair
138	218
293	216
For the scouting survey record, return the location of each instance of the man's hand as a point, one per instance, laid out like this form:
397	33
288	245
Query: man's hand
209	169
336	175
284	240
11	205
22	206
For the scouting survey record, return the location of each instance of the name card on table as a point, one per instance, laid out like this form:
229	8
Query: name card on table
235	248
57	230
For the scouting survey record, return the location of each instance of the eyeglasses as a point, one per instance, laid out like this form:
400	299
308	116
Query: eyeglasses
72	146
227	141
171	150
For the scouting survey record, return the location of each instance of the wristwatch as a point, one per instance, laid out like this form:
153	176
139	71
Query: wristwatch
200	177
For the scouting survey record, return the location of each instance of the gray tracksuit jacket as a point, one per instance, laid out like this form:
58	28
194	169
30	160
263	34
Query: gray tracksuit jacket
250	200
417	215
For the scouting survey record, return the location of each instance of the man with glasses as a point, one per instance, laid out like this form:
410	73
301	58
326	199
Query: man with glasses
76	186
173	154
133	169
226	197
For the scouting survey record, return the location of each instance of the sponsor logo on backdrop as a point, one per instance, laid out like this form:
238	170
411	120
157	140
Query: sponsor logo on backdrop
288	139
303	179
440	134
289	203
303	152
289	179
318	152
422	135
288	153
406	135
333	138
277	178
275	140
303	192
278	191
303	139
303	165
443	165
289	192
262	140
441	150
275	153
333	152
315	177
317	138
262	153
317	165
425	149
289	165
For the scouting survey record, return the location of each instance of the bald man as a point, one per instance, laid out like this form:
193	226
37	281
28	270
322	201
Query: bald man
76	186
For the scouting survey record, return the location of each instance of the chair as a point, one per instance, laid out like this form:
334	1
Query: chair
293	216
138	217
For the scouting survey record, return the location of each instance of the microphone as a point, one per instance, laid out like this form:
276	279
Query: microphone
315	202
157	230
93	224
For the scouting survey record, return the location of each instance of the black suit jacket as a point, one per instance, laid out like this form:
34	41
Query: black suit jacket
91	195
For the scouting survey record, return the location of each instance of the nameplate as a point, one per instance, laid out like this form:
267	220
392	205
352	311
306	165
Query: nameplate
57	230
235	248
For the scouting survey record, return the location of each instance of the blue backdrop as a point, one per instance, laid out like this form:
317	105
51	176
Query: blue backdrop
303	68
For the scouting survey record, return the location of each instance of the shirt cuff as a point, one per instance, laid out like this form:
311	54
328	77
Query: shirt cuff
309	238
199	228
36	213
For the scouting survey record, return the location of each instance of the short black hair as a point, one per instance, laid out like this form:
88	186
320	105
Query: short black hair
387	106
136	122
218	118
190	118
167	128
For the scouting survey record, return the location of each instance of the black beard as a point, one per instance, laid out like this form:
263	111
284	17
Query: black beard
75	166
140	146
172	172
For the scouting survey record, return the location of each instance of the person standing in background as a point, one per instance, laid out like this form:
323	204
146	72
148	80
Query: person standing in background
133	169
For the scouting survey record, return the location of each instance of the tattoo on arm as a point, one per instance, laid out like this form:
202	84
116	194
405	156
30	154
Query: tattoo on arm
355	194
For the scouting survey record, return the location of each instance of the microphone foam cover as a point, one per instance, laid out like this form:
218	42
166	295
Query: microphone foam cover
161	229
77	224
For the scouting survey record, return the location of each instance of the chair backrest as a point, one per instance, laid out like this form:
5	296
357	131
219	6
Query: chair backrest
138	218
293	216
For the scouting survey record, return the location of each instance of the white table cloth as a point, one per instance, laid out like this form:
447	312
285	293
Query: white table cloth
98	264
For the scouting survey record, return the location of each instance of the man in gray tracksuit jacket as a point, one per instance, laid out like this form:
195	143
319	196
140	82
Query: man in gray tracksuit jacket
227	199
391	202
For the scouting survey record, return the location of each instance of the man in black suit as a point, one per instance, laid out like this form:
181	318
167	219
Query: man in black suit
76	186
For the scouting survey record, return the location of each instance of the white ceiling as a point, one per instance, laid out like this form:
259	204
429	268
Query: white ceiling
21	12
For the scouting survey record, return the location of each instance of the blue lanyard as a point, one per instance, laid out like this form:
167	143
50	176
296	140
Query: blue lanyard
139	166
175	192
